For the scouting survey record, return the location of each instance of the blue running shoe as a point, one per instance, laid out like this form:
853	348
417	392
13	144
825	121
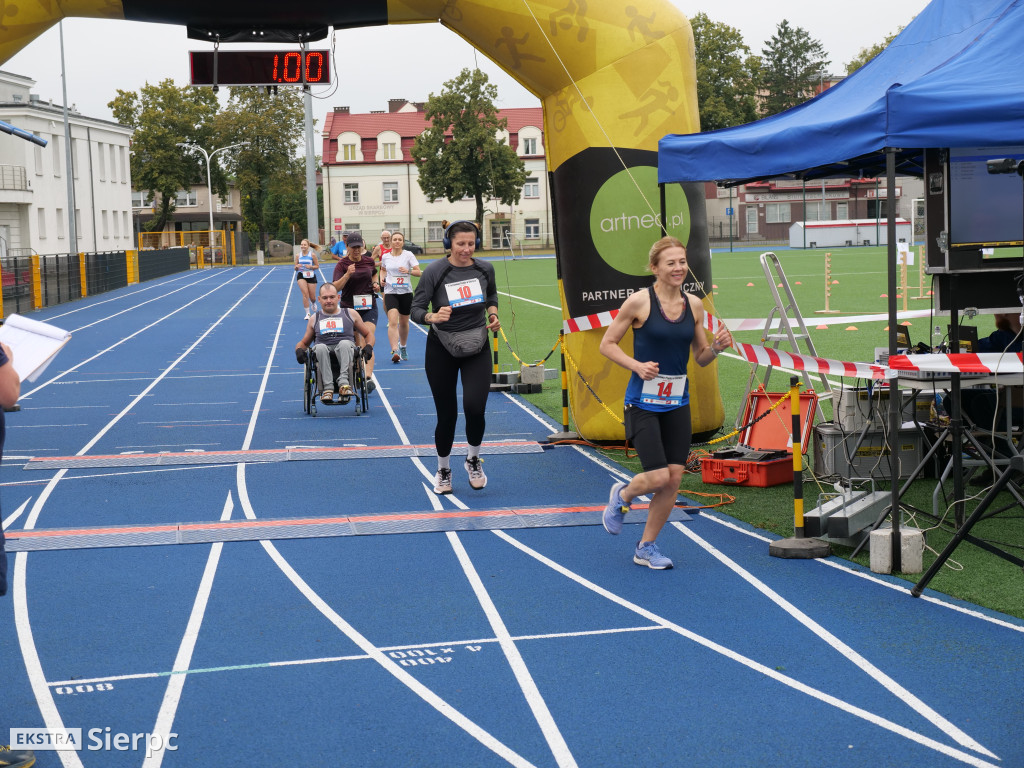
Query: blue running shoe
616	510
648	554
403	352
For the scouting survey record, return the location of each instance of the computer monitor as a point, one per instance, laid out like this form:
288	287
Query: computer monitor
968	335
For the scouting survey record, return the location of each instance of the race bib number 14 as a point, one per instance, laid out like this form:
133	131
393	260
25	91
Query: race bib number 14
664	390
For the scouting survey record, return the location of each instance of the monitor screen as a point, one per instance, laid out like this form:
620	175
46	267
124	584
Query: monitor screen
985	210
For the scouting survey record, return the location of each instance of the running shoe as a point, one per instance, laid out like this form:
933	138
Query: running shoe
403	352
395	357
443	481
477	478
344	394
615	512
308	315
648	555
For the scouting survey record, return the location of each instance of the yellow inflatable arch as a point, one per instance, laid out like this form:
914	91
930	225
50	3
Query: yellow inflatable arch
614	76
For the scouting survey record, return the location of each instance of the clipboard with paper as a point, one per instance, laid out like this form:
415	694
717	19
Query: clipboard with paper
33	344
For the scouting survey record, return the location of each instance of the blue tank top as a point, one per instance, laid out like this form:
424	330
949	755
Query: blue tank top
666	342
330	329
306	262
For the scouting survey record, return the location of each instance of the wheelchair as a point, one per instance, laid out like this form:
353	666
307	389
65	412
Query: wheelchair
357	380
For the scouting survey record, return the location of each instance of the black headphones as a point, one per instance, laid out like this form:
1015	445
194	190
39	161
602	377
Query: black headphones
447	240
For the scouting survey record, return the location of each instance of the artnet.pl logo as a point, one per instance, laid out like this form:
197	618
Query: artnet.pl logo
95	740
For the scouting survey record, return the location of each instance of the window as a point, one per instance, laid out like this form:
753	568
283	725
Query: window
391	226
533	229
752	219
388	151
531	189
126	222
776	213
102	153
435	230
530	146
814	212
139	199
38	153
186	198
348	151
106	225
351	193
876	209
390	191
353	227
124	165
55	143
41	223
842	210
60	223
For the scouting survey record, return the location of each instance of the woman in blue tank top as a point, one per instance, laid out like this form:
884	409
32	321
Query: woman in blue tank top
667	327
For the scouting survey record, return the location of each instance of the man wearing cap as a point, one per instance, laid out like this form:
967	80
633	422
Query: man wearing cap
356	281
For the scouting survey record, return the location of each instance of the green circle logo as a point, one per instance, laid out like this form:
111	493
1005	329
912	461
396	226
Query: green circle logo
625	219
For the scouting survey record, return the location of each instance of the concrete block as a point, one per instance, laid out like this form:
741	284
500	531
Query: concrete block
526	389
531	374
911	550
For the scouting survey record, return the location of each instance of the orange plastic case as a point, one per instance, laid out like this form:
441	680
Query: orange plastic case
771	434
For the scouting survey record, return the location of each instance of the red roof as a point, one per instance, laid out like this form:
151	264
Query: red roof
408	125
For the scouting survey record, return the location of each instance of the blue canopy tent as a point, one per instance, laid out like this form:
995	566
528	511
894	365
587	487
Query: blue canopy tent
952	78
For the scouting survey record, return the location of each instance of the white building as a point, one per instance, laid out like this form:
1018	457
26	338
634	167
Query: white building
33	179
370	181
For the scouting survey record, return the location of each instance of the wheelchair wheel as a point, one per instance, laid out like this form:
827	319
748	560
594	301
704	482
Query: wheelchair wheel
311	379
359	383
307	387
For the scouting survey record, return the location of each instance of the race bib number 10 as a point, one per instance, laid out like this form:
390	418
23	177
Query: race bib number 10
465	293
664	390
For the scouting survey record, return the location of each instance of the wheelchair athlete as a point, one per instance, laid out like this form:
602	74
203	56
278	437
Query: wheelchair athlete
331	332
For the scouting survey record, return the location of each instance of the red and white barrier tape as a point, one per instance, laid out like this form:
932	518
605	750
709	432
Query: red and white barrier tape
988	362
779	359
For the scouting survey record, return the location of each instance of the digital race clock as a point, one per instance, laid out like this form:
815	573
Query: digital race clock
268	67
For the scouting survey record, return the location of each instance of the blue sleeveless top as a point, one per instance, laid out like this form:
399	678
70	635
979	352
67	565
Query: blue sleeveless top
666	342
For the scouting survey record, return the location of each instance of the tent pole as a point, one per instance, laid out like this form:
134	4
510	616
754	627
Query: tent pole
664	211
893	434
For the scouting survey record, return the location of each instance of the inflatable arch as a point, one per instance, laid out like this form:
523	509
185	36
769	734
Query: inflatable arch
614	76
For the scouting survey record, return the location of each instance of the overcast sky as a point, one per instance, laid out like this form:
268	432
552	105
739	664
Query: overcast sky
104	56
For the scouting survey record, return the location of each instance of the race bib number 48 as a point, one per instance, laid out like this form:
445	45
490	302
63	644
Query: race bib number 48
465	293
664	390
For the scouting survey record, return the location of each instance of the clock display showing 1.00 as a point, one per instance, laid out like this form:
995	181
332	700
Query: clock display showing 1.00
260	67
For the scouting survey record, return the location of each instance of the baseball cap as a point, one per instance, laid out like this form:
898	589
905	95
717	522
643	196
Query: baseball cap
355	239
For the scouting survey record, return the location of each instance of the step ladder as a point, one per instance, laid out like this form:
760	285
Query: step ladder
791	330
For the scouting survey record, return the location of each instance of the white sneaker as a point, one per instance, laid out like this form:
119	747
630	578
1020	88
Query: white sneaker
477	478
308	315
443	481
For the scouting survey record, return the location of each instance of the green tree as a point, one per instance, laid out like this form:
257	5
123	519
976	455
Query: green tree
461	155
867	54
272	124
726	94
285	203
164	115
791	64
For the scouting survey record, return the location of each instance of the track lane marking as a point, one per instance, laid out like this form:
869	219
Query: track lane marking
756	666
553	736
842	648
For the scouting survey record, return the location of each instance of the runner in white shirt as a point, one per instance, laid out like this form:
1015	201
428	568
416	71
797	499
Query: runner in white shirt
397	268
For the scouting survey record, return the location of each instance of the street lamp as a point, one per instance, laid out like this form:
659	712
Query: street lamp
208	156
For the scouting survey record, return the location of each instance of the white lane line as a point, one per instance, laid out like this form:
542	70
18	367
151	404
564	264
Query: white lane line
774	674
851	655
176	681
540	710
125	294
414	685
531	301
16	514
62	374
351	657
146	303
845	566
33	666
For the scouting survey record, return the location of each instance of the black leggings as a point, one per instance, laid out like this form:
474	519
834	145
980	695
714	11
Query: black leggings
443	375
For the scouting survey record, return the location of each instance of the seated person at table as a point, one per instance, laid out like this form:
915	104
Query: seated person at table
979	405
332	331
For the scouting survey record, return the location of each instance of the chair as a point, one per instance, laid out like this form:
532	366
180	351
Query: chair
312	389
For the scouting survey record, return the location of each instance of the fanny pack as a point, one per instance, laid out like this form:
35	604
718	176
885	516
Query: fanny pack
462	343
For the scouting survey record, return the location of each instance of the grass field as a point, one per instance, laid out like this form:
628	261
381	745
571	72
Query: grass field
531	318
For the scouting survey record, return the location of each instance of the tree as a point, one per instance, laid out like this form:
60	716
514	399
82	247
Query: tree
285	203
272	124
867	54
791	64
164	115
726	94
461	154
